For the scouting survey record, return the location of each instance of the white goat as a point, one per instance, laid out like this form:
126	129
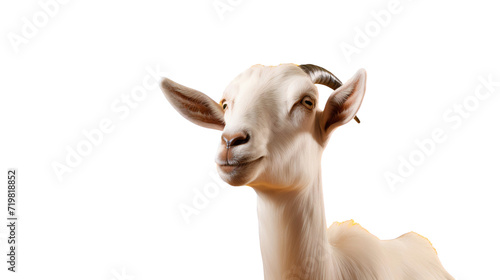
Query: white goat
273	138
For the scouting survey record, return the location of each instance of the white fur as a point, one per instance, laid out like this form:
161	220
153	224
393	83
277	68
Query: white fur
287	141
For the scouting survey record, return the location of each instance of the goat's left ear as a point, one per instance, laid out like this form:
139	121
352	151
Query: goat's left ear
344	103
194	105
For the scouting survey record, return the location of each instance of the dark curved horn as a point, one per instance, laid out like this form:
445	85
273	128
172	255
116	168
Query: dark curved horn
320	75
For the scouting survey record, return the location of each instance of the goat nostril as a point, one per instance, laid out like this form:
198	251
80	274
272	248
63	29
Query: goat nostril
240	140
235	139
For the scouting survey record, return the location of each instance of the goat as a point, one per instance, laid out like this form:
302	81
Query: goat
273	137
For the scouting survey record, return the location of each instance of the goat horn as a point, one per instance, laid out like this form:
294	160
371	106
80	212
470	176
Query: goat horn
320	75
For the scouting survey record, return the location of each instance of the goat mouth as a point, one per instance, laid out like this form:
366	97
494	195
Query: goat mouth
229	167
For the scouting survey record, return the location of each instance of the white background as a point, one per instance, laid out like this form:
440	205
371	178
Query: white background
116	215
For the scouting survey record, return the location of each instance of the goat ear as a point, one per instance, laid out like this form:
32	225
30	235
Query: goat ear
194	105
344	102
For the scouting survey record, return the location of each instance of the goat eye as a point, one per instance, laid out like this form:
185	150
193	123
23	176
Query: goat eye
307	102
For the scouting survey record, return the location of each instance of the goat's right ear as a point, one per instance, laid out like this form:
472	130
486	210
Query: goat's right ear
194	105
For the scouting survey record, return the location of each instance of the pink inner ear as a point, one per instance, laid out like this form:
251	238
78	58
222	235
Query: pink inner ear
343	104
194	105
337	111
197	108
